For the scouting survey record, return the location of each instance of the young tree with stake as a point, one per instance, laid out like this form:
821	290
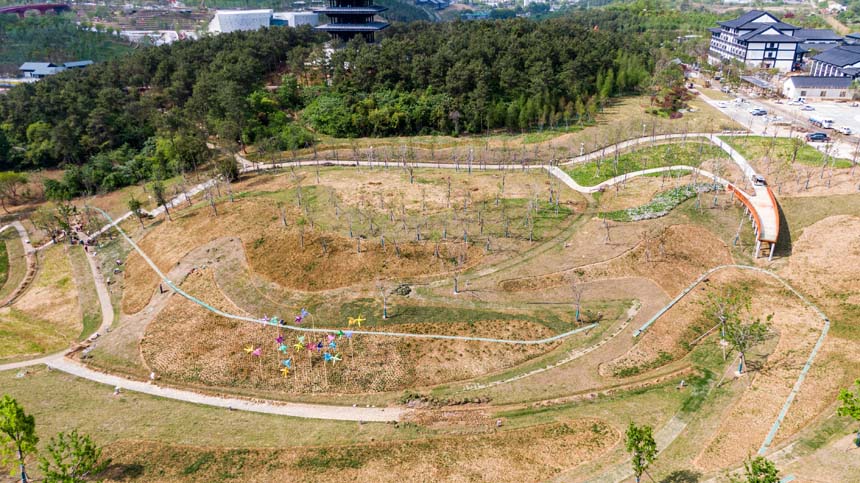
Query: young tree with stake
71	458
134	206
158	192
642	448
744	336
17	434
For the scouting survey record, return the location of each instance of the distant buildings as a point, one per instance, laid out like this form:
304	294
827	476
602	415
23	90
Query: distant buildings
295	19
226	21
760	39
39	70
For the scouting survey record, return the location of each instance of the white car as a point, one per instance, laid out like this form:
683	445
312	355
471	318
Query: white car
722	104
845	130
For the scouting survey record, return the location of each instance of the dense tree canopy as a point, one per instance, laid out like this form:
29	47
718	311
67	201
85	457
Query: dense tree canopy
149	115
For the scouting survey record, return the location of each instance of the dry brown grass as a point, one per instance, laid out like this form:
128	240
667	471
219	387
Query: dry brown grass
274	252
530	454
47	317
672	259
190	345
746	422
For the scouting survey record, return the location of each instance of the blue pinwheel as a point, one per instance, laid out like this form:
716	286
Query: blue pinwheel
288	363
304	314
327	357
283	348
332	345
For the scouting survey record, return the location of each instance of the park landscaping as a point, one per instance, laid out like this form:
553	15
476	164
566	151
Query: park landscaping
499	254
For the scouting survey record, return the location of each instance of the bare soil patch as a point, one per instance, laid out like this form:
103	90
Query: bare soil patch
514	456
190	345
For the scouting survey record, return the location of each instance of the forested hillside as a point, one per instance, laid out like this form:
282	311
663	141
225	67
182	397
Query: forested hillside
53	38
149	114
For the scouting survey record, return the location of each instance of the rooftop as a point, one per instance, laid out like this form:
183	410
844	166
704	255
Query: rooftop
841	55
809	81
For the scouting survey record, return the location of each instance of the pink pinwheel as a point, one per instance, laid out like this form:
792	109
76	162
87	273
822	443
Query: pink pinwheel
298	319
257	352
330	337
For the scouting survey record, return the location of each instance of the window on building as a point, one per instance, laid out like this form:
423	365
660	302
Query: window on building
841	93
823	94
802	93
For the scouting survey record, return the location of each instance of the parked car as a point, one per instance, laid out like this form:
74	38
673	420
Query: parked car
845	130
722	104
818	137
758	112
807	108
758	180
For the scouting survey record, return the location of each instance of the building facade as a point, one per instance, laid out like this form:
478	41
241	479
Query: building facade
818	88
757	39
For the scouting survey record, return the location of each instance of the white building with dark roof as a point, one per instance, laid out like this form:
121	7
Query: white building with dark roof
759	39
819	88
840	61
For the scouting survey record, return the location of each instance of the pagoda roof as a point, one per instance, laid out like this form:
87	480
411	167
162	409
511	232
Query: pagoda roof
353	27
371	10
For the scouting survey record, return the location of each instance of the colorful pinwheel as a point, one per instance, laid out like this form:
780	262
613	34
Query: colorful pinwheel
330	337
355	321
249	349
348	334
298	319
305	313
280	339
285	371
335	358
332	345
340	333
288	363
283	348
274	320
257	352
319	346
326	357
298	346
300	338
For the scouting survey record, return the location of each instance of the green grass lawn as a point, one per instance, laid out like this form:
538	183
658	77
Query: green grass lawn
758	147
87	295
691	153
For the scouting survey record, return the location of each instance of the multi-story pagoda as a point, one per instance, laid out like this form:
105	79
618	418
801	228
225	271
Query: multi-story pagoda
348	18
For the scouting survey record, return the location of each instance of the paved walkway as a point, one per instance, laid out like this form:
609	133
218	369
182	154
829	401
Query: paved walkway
316	411
29	256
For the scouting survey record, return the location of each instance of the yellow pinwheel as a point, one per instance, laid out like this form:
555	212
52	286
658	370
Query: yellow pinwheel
356	321
249	349
285	371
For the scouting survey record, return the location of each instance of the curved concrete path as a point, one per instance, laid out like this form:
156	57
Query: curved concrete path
29	255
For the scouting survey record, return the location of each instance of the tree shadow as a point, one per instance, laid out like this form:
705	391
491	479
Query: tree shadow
123	472
682	476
